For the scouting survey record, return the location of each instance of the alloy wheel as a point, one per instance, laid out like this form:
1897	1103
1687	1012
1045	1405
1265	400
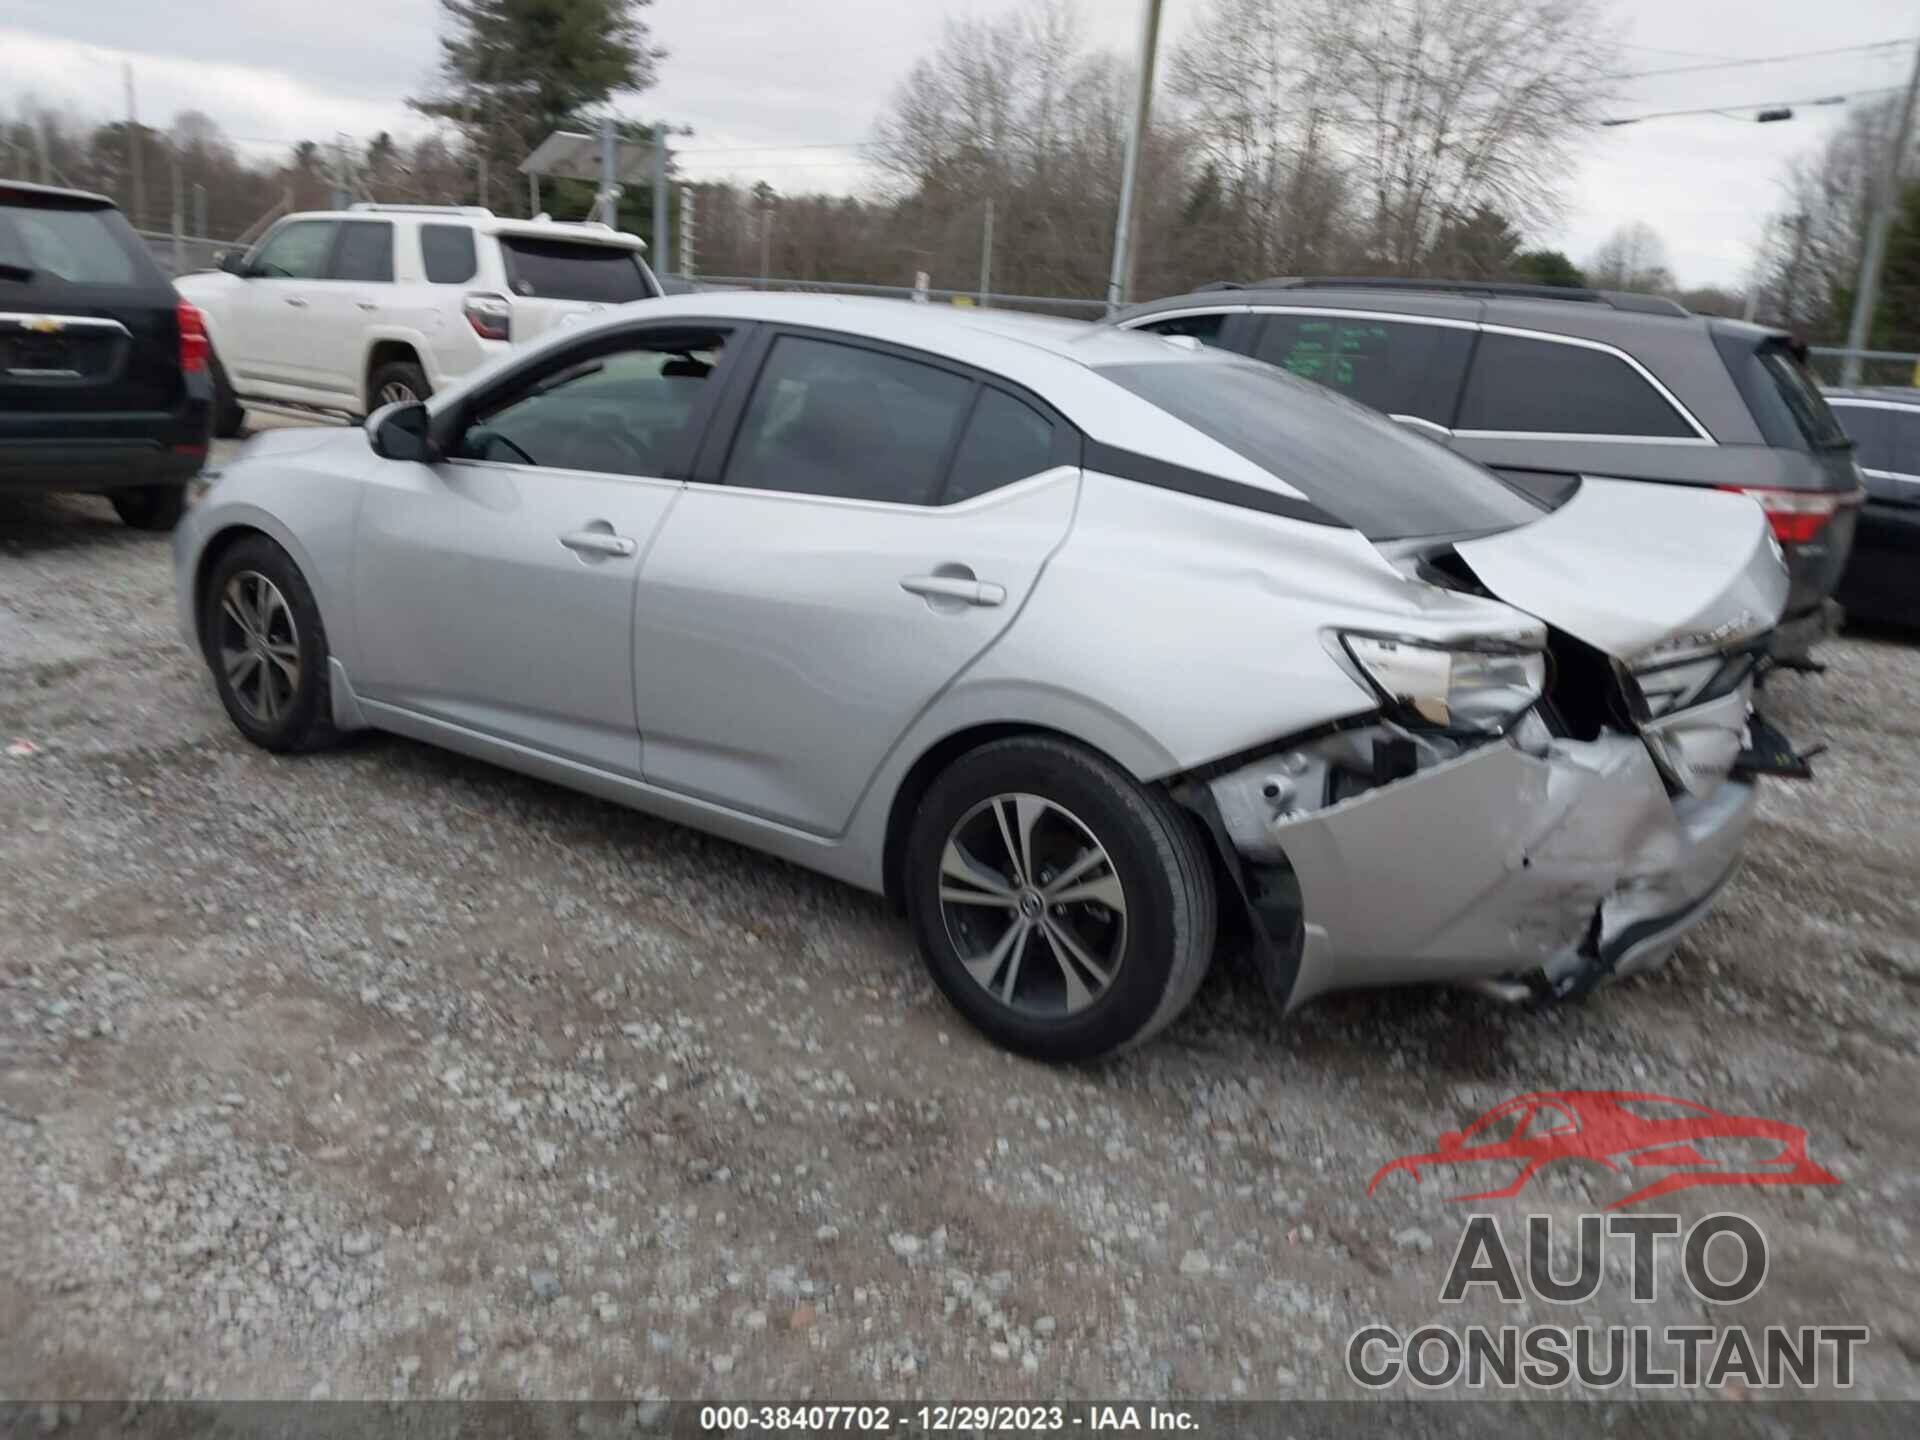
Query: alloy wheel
259	646
1033	905
397	392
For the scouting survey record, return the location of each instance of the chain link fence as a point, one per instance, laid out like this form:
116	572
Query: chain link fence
1877	367
184	254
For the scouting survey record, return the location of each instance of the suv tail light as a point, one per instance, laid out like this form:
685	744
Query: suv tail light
1795	515
193	338
490	315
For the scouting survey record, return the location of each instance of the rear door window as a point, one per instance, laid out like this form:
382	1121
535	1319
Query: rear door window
1904	431
1005	440
364	252
570	270
447	255
842	420
1549	387
1397	367
297	251
1382	478
1871	430
68	245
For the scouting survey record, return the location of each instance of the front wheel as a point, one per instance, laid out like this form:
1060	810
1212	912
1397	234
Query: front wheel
261	631
1064	908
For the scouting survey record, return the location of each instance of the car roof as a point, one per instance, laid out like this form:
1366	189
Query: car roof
1059	360
53	192
1674	345
485	221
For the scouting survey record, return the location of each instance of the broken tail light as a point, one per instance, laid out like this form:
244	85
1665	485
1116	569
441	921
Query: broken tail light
193	338
1795	516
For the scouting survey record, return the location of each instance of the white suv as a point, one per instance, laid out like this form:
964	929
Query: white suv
344	311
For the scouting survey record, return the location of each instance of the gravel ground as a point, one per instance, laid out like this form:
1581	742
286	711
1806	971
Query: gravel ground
386	1073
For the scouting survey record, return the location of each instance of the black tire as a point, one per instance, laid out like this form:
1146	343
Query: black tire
299	713
228	416
400	373
150	507
1154	849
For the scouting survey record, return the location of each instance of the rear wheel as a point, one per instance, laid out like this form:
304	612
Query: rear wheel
1064	908
228	417
263	639
150	507
398	381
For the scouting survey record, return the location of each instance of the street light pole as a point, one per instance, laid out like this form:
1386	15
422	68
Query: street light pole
1119	276
1866	292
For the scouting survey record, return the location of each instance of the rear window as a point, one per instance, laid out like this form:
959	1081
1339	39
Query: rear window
364	252
569	270
78	246
1395	366
1812	416
1383	479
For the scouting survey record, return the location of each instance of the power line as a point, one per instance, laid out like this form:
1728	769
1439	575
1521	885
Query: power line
1729	110
1758	60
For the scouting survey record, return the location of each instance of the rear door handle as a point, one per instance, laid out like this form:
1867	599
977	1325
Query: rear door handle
296	301
366	304
952	587
598	542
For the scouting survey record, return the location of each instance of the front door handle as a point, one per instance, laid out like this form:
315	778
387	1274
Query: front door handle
295	301
954	587
598	542
367	304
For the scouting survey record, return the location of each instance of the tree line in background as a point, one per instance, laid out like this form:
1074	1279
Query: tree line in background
1376	137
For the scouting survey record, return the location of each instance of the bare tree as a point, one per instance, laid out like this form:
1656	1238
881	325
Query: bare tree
1634	257
1453	104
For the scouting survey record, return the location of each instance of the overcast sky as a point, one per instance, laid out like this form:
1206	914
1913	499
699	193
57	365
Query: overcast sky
770	85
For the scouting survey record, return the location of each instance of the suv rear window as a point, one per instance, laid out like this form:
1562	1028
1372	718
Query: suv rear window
66	243
1553	387
1812	416
1374	473
447	254
570	270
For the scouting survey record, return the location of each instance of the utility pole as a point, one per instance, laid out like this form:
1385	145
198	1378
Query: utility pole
1119	278
1866	293
986	256
40	148
766	238
686	231
662	242
179	211
200	210
137	206
607	201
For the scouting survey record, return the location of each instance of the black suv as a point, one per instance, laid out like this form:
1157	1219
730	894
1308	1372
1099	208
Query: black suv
1546	385
103	368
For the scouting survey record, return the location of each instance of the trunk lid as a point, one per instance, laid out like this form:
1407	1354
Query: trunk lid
1640	572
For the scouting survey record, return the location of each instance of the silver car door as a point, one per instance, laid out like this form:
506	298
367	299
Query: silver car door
877	521
495	589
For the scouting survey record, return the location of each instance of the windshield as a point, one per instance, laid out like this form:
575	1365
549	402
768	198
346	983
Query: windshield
572	270
1383	479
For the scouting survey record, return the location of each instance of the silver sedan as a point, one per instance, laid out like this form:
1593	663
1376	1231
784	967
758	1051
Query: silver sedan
1067	639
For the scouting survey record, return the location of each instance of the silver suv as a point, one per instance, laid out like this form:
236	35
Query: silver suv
1550	386
345	311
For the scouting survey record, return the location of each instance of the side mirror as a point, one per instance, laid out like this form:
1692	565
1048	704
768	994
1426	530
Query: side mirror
234	262
402	431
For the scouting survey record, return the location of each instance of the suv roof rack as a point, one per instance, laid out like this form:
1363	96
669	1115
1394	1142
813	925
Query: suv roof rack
477	212
1616	299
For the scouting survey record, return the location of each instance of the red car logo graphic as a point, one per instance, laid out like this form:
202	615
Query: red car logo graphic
1623	1128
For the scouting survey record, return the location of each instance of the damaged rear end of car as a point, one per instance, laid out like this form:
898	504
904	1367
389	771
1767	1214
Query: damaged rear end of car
1547	796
